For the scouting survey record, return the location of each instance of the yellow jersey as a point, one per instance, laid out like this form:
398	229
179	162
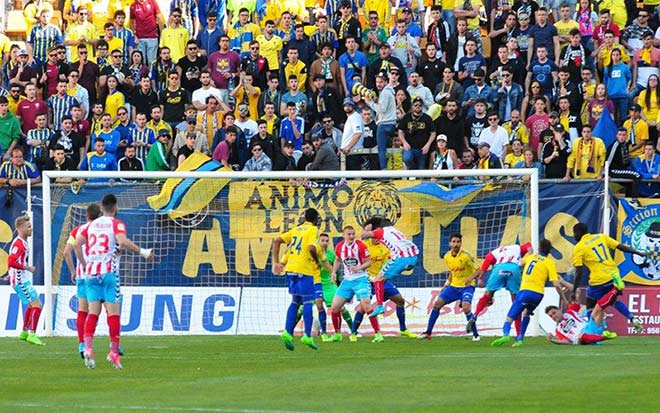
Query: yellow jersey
511	159
299	259
270	50
460	267
593	251
242	96
641	134
379	255
300	70
519	132
113	102
176	39
537	270
115	44
75	31
564	28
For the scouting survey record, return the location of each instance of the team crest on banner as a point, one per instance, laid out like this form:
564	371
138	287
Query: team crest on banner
640	228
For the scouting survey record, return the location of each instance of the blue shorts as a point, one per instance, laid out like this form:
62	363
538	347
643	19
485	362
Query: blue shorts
596	292
451	294
360	288
395	267
103	288
593	328
26	292
525	299
81	288
301	285
318	291
504	275
389	290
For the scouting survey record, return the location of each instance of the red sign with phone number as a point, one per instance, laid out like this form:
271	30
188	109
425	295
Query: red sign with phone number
643	302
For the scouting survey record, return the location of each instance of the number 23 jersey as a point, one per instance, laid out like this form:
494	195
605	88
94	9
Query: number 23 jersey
102	247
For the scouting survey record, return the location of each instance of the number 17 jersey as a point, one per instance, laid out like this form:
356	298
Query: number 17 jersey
593	251
102	247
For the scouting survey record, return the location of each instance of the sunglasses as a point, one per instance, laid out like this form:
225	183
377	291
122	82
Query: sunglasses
506	74
192	48
82	51
116	56
493	119
176	16
327	122
256	150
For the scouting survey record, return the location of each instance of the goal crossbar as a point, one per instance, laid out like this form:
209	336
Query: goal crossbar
49	176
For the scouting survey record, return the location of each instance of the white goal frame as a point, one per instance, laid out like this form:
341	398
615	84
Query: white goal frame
49	176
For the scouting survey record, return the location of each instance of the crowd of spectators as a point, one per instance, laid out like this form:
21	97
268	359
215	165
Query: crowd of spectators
288	85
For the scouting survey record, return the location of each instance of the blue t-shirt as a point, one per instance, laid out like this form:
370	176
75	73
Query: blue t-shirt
413	29
543	37
470	65
616	80
352	65
542	72
286	132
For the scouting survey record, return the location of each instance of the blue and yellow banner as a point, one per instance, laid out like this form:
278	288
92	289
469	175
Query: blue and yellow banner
639	227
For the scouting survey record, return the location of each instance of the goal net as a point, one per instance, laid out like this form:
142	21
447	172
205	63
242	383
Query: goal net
212	235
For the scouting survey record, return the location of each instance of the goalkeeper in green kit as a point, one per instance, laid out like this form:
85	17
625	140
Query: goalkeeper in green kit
324	292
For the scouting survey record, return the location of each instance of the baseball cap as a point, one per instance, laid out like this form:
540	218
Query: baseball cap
349	101
418	99
484	145
558	127
288	144
23	52
635	107
163	132
442	137
554	114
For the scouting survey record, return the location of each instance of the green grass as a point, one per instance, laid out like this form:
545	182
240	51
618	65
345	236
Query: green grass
256	374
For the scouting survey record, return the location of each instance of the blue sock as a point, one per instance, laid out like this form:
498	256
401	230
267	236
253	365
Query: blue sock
291	317
623	309
470	316
523	328
435	313
322	321
308	318
357	320
401	315
506	330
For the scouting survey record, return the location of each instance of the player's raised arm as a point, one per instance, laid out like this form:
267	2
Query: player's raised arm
626	248
126	243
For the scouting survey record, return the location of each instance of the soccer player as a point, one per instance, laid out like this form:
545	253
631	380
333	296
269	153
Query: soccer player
403	255
20	278
605	283
302	263
537	270
459	285
104	239
354	256
328	287
78	275
506	272
379	255
574	329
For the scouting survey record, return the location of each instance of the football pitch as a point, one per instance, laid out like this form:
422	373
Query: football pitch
256	374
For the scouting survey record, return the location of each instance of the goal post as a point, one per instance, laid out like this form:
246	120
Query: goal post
62	207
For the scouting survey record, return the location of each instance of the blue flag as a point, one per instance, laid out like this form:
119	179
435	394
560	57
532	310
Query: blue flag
605	128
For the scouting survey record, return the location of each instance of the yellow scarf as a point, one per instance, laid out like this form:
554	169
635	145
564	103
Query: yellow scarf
578	157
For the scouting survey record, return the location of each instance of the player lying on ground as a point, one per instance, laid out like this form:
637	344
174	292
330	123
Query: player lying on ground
403	255
537	270
506	262
572	328
20	278
605	283
353	255
78	275
459	286
379	254
301	265
104	239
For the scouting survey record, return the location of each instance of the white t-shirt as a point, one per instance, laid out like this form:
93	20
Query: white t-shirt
354	124
249	128
497	140
201	94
